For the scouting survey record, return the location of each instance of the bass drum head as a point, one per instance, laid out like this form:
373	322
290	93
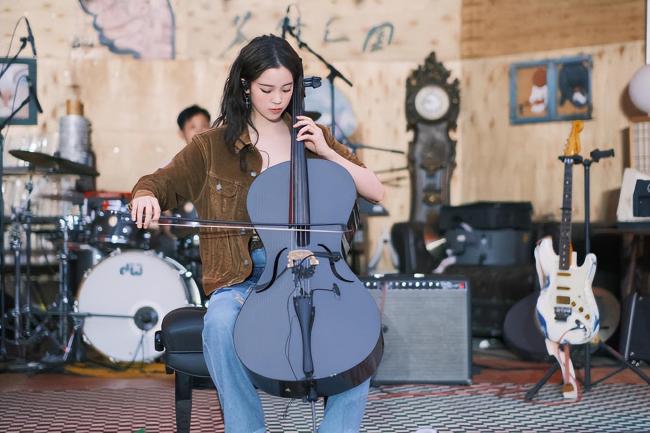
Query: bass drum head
141	286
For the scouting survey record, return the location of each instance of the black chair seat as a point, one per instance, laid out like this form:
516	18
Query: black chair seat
180	336
181	339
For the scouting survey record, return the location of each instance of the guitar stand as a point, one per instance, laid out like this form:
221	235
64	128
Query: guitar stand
623	364
596	155
530	394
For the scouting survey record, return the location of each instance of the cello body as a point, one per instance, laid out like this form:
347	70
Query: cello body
343	327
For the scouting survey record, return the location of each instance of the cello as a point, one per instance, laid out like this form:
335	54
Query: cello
309	328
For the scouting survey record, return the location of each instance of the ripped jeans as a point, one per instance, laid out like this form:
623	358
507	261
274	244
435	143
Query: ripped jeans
240	403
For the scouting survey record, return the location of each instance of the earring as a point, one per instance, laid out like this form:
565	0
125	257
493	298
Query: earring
247	99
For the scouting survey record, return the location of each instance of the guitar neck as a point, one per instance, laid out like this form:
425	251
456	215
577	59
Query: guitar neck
565	225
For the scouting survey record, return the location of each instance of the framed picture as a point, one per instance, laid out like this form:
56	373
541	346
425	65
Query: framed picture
14	89
551	90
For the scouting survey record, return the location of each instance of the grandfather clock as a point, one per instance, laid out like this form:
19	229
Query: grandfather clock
432	104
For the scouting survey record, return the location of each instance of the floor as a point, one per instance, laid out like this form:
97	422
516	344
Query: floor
95	398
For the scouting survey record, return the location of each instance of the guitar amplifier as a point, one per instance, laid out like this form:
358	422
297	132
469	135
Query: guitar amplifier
636	327
426	327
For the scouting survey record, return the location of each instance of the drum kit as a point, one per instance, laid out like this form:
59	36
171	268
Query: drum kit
112	289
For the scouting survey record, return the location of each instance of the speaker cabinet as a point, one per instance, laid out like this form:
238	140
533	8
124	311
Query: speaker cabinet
636	328
426	328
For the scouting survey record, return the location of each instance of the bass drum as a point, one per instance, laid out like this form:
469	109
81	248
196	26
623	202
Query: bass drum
125	298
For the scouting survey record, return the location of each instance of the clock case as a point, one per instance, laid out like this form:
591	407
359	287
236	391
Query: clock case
432	152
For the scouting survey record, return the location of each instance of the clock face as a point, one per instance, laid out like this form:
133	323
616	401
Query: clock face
431	102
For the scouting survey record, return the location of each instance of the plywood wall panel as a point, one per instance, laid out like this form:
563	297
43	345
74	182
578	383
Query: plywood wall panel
206	29
500	27
335	29
133	104
519	162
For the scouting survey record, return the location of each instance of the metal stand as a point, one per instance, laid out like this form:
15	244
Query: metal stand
596	155
3	322
530	394
3	329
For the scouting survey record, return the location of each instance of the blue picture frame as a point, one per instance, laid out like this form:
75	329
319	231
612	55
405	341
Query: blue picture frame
15	85
551	90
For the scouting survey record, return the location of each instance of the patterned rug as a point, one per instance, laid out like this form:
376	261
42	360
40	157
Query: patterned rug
399	409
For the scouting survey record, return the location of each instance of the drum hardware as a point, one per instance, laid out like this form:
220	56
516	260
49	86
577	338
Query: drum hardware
27	331
74	197
139	308
31	97
22	216
82	246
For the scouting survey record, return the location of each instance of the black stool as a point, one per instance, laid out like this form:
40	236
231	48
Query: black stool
180	338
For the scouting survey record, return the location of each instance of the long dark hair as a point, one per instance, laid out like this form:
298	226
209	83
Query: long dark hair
262	53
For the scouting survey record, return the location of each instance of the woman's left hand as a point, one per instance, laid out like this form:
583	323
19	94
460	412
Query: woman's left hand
312	136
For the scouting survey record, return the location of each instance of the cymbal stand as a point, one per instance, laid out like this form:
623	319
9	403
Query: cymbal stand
27	227
16	247
5	122
63	282
22	312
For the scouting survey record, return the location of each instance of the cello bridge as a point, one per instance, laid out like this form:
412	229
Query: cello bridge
294	257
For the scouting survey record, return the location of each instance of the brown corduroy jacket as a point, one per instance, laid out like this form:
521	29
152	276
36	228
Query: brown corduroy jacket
207	173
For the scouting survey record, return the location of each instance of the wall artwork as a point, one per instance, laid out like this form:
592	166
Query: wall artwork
14	90
551	90
144	29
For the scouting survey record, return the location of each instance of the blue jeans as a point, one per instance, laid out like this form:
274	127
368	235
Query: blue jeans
240	403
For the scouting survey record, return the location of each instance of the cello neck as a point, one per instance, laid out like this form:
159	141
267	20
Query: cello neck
299	181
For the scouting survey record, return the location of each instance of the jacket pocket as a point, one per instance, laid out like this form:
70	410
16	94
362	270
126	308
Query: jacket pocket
223	197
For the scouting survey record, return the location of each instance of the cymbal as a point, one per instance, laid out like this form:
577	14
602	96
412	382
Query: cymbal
56	164
313	115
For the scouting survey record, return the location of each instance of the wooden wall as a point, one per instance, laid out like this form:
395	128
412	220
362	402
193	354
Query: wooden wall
519	162
133	104
498	27
507	162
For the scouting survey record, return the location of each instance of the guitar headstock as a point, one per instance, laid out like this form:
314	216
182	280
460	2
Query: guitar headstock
572	147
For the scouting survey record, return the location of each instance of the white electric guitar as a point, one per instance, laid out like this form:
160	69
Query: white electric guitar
566	308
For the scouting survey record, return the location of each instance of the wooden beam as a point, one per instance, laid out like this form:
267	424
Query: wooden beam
501	27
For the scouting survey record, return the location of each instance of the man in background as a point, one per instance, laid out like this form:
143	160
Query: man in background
191	121
178	242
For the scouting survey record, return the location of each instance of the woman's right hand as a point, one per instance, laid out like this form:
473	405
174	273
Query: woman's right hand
144	210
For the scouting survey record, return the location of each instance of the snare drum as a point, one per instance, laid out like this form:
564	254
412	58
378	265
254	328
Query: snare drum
138	288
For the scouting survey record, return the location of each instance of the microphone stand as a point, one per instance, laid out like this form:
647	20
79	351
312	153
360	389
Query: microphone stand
23	44
5	122
355	146
333	72
3	329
